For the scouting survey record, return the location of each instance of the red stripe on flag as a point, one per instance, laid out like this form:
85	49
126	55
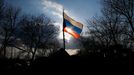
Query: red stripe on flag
70	31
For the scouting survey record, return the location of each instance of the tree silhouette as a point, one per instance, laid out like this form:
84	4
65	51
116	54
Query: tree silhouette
108	32
1	15
8	26
36	32
2	6
126	9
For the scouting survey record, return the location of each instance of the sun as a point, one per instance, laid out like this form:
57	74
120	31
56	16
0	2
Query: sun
67	36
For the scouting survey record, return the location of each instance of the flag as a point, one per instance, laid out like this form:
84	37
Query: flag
72	27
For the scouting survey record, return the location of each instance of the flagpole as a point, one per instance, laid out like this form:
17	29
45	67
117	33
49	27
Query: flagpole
63	32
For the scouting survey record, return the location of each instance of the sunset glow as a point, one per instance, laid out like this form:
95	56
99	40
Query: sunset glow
67	36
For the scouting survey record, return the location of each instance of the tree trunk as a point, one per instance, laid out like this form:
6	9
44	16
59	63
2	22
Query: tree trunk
33	55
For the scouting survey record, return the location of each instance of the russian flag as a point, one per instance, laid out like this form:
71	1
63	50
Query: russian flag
72	27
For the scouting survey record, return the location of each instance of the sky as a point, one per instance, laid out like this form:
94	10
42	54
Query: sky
79	10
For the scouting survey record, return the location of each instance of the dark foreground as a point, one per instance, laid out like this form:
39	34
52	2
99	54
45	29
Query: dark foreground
45	64
61	61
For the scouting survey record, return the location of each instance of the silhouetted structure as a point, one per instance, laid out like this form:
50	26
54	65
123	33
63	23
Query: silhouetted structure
60	54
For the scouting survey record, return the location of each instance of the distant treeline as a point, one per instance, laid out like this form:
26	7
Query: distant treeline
112	33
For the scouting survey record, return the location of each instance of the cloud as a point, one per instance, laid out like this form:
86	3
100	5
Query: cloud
52	7
57	14
54	10
51	4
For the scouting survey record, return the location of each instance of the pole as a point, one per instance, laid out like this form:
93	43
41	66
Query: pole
63	32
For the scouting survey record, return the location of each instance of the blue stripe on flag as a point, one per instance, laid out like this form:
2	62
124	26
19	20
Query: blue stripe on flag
74	28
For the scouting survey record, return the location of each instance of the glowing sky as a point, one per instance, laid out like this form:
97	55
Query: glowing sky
79	10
